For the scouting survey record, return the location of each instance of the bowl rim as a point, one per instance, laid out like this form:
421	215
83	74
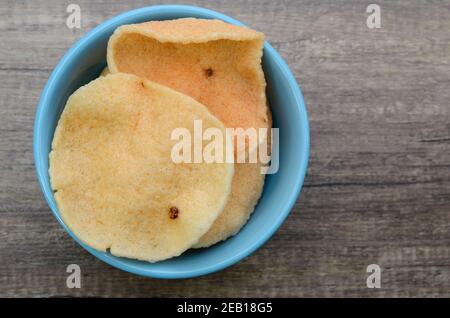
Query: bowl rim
284	210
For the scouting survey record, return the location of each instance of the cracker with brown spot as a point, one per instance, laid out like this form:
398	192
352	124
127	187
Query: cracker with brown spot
216	63
113	174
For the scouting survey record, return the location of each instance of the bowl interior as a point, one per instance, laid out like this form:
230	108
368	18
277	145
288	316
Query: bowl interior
85	61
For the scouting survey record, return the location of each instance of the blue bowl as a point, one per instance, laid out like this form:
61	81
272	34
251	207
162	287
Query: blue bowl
85	60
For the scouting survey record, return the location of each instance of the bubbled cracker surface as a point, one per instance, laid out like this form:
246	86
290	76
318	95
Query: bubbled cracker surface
113	176
219	65
216	63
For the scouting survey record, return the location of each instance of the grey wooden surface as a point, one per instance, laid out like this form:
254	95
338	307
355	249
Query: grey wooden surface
378	184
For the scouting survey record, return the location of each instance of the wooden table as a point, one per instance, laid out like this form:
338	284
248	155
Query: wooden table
378	183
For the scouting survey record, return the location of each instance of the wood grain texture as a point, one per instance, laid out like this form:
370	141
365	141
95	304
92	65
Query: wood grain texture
378	184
